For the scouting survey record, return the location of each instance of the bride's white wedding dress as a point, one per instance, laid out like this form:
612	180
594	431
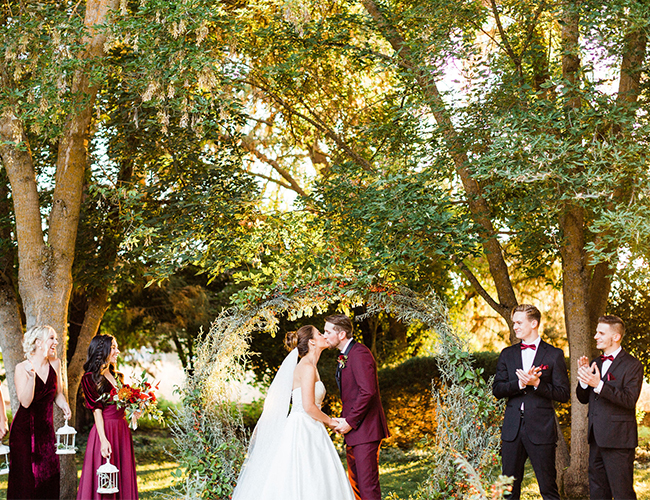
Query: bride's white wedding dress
305	465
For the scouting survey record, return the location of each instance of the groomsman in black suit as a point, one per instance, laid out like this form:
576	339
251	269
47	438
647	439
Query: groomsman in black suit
531	375
611	385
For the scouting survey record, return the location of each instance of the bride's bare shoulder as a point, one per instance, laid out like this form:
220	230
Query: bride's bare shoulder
305	371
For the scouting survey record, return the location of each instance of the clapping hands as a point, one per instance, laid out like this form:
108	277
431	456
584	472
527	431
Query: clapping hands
340	426
589	375
531	377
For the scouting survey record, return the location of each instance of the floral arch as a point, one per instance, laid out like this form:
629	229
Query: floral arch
208	428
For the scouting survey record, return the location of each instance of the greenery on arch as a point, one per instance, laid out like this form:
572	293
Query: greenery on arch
208	428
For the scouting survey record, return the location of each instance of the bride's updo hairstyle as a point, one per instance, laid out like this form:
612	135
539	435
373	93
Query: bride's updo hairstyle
300	339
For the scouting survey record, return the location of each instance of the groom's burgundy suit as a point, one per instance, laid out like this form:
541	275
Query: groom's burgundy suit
363	412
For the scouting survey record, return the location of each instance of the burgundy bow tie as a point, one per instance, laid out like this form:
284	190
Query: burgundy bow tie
528	346
605	358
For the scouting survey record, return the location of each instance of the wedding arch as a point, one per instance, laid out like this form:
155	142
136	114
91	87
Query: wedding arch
208	427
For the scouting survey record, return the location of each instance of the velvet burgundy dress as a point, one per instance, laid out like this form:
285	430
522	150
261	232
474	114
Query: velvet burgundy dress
34	465
118	434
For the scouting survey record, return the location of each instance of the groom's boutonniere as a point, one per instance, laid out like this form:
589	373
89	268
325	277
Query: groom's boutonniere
342	360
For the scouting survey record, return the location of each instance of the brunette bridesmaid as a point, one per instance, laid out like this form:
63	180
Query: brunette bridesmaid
110	436
34	465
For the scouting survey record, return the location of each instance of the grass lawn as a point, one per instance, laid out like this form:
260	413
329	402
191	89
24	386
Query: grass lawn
530	491
400	471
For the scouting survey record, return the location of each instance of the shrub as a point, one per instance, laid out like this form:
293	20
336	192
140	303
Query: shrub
168	409
406	396
207	428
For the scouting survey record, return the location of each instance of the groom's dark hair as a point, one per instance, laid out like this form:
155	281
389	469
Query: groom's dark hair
342	323
615	322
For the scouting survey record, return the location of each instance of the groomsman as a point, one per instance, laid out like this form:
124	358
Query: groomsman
531	375
611	386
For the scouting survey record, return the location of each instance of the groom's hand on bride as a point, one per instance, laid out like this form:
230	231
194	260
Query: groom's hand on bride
343	427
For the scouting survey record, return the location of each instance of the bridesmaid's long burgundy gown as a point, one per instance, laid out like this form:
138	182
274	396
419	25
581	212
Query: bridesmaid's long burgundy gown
118	434
33	463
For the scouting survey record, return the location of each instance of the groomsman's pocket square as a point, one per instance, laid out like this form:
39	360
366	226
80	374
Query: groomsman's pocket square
543	367
610	377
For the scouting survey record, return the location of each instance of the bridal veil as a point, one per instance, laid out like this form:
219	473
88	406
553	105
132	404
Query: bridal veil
268	431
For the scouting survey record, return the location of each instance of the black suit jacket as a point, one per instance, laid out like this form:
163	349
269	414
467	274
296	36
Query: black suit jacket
612	415
539	413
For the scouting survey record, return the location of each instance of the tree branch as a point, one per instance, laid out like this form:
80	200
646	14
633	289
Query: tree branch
506	44
476	285
271	179
531	31
18	163
316	123
249	145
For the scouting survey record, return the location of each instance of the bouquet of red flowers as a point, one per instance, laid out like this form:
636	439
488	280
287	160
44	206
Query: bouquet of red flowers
137	398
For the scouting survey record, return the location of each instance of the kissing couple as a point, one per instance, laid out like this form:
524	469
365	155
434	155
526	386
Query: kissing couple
290	455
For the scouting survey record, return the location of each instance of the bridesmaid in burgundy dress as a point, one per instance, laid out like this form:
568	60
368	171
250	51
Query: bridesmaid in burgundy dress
34	466
110	436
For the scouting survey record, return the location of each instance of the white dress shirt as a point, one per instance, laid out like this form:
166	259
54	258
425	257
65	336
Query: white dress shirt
528	356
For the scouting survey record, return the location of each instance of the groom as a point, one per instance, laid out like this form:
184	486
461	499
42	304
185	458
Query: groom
363	421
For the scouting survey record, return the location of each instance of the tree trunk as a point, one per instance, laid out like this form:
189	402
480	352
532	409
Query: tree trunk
575	272
578	326
398	331
97	306
562	456
11	326
11	329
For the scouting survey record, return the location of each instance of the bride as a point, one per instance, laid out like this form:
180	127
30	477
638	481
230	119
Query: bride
291	457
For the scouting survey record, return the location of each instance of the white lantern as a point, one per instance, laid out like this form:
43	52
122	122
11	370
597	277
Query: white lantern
65	438
107	478
4	459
